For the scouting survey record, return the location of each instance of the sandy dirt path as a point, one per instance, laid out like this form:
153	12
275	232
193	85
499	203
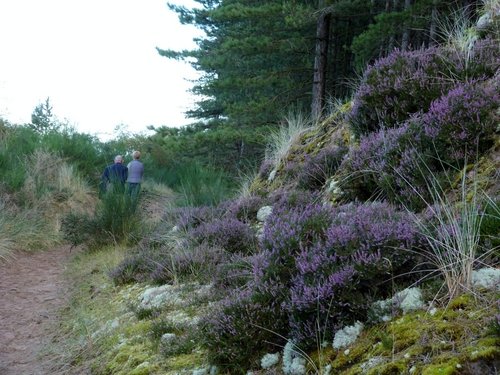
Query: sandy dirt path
31	291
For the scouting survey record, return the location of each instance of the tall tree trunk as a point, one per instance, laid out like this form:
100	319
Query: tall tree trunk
320	64
406	33
392	38
382	47
433	25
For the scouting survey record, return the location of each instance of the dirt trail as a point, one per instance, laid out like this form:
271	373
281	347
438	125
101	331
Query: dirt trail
31	291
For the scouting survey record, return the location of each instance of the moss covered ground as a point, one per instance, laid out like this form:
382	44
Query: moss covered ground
102	332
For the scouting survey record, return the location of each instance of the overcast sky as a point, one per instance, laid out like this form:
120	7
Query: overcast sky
96	60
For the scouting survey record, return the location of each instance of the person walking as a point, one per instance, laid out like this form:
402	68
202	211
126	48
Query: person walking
114	175
135	174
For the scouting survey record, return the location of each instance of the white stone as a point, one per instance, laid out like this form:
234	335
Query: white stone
264	213
171	295
269	360
487	277
372	362
293	364
333	188
484	22
347	335
298	366
167	338
410	299
412	369
200	371
272	175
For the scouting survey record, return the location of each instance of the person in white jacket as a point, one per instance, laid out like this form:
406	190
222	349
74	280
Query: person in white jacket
135	174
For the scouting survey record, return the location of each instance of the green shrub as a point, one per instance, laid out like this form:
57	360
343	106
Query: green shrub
200	185
81	150
115	221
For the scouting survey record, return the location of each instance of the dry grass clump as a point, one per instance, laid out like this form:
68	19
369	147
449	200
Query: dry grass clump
23	230
287	134
31	220
156	198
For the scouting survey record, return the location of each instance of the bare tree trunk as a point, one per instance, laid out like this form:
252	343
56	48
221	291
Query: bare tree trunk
406	33
392	38
382	47
433	25
320	65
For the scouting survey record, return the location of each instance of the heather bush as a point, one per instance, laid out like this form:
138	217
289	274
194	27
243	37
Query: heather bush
293	197
231	234
320	268
332	262
239	331
185	263
187	218
318	168
235	271
389	87
390	164
461	124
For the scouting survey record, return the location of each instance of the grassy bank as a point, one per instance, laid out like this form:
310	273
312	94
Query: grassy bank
104	330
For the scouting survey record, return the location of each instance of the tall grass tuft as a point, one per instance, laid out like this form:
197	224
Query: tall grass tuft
116	216
26	230
202	186
451	228
281	140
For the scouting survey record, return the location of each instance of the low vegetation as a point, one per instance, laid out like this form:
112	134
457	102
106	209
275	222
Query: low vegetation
367	243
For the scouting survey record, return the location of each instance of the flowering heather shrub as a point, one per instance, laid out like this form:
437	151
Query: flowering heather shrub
462	123
199	262
293	198
231	234
392	163
395	87
234	272
239	331
190	217
332	262
317	262
318	168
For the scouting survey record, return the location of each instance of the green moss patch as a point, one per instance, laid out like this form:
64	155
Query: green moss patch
441	343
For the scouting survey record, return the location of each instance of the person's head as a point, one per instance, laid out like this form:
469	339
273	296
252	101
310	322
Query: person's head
136	155
118	159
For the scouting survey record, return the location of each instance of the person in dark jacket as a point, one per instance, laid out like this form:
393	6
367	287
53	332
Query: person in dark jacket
114	175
